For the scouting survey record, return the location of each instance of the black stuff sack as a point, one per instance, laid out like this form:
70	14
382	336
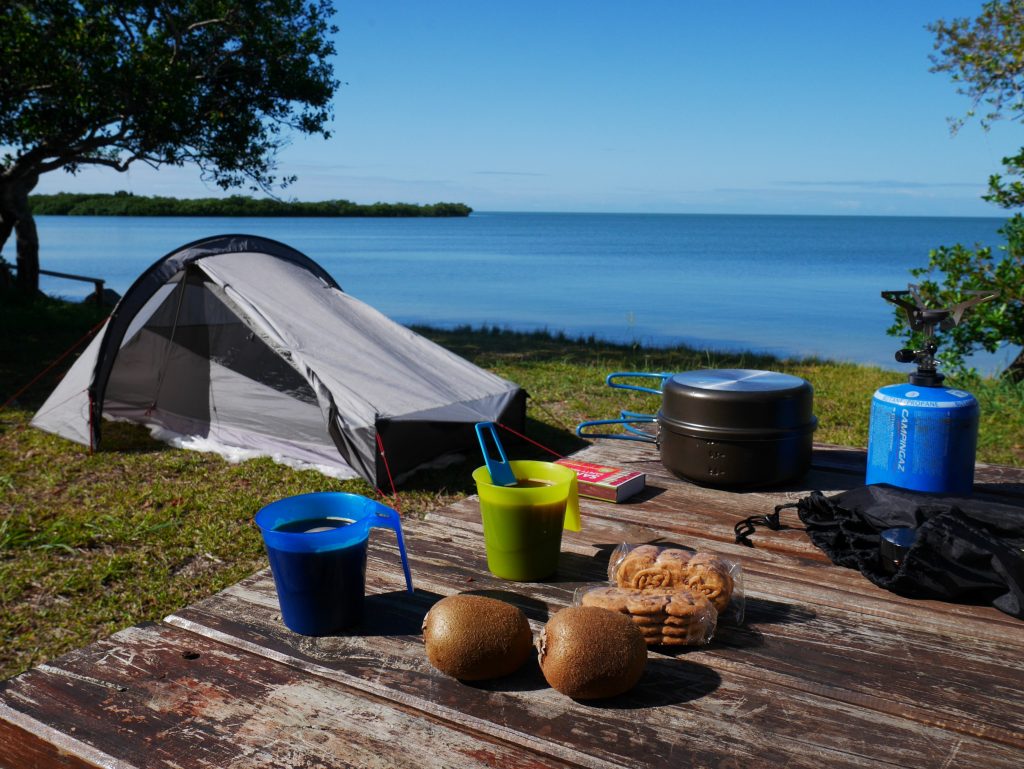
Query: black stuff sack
965	550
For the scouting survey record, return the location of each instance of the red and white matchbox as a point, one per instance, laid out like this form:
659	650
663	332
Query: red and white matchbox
612	484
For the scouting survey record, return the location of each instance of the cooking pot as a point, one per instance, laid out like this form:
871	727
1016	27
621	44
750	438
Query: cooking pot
723	427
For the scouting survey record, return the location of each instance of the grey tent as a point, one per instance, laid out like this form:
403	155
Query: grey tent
248	344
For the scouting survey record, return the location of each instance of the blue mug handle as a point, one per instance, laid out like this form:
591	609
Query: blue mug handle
383	517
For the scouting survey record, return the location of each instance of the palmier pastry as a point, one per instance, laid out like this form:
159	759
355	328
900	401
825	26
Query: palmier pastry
636	561
653	578
673	562
708	575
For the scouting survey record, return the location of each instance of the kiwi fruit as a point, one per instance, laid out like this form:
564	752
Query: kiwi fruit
587	652
473	638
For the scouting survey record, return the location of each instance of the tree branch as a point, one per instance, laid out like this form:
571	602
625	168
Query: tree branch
206	23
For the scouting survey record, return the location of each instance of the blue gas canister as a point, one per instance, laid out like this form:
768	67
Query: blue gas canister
923	436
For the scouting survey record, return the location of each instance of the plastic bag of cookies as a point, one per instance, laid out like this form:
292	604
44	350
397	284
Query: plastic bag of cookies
665	616
651	567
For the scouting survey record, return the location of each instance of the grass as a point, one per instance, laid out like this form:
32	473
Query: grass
91	543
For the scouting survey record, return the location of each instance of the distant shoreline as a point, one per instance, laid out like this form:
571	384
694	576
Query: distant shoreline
128	204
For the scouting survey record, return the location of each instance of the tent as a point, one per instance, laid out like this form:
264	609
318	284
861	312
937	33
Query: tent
242	343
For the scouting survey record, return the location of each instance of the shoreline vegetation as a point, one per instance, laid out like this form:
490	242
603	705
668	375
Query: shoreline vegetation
128	204
91	543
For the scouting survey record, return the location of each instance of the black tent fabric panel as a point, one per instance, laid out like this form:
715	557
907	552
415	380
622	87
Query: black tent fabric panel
410	444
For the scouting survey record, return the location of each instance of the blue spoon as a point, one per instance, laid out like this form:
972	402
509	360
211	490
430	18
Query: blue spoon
500	470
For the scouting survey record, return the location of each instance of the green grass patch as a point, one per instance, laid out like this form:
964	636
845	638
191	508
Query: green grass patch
91	543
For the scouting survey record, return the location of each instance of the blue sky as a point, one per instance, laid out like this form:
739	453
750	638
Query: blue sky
748	106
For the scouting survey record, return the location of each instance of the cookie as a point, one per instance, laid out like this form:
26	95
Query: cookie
671	621
709	576
635	561
685	604
652	635
667	640
611	598
679	632
653	578
649	620
647	602
673	561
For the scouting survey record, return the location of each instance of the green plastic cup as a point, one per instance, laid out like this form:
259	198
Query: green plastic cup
523	524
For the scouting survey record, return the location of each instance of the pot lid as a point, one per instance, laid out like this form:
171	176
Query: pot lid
741	399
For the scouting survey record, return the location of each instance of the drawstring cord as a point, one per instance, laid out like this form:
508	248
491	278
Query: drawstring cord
747	526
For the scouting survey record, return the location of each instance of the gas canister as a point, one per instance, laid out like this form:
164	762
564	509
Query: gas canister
923	436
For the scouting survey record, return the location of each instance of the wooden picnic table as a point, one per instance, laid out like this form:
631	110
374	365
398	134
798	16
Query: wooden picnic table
828	670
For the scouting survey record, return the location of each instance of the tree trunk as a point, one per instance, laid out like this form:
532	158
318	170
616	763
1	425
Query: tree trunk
15	214
6	226
1015	371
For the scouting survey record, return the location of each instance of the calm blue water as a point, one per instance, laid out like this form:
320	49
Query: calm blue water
788	285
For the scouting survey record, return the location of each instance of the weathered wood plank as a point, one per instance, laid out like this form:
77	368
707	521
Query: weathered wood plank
26	742
814	613
793	572
833	469
786	645
157	696
689	711
827	671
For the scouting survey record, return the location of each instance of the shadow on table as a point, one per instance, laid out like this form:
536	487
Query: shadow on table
398	613
665	682
647	493
528	678
759	612
395	613
575	567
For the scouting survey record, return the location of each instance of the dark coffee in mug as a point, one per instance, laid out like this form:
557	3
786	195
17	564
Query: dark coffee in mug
530	483
322	589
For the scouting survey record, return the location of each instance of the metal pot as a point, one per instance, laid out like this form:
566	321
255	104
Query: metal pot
724	427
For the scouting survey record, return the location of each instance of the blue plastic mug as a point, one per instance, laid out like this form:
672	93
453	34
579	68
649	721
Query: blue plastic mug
316	544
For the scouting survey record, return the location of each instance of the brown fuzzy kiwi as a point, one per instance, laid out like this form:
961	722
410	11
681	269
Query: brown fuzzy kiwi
473	638
587	652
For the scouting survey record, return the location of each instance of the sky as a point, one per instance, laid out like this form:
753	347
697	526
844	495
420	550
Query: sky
746	106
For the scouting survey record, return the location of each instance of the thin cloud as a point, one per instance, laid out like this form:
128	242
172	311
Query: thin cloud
875	184
508	173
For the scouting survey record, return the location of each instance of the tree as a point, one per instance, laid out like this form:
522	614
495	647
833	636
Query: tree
953	271
985	57
217	83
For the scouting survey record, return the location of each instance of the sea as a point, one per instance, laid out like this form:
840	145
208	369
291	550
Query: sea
791	286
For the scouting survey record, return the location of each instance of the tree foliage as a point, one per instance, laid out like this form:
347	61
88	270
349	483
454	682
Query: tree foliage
127	204
985	57
952	271
218	83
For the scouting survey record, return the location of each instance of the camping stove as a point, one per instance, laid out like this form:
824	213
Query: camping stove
923	436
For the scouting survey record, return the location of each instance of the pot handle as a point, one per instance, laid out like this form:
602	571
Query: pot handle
637	434
610	381
631	418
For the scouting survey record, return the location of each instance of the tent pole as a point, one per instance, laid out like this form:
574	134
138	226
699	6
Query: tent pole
170	342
